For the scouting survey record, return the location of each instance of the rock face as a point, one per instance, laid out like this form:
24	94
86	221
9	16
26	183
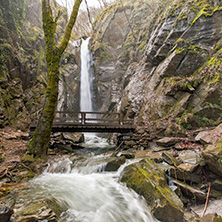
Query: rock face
163	69
148	180
22	62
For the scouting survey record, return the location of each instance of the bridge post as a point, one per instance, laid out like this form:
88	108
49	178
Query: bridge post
120	118
83	118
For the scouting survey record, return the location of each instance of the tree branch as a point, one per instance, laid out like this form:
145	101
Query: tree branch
65	40
56	20
48	27
90	21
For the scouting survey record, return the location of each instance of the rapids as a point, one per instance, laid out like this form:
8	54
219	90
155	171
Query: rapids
89	194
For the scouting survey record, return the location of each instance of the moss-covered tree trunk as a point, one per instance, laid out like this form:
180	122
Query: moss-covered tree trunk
38	146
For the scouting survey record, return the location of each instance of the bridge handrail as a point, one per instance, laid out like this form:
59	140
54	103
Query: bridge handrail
82	117
70	112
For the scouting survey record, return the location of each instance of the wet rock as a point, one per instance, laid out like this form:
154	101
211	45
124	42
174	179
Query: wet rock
170	159
149	180
5	213
77	147
191	191
186	172
160	148
213	157
167	141
214	206
157	158
41	211
31	218
74	137
217	185
210	136
190	217
211	218
114	165
126	154
63	147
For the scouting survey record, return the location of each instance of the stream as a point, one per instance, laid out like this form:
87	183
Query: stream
88	193
92	195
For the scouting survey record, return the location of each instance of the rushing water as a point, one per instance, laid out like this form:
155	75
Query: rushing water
90	194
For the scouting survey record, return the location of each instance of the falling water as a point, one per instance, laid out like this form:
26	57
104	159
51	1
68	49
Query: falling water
86	78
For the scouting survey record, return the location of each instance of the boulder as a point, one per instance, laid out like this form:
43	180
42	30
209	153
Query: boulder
5	213
167	141
213	157
149	180
192	192
74	137
114	164
210	136
43	210
186	173
126	154
211	218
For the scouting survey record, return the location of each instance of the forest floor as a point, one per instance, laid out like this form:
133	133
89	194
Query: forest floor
12	148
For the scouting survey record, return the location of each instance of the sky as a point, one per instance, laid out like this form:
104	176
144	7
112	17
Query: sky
90	3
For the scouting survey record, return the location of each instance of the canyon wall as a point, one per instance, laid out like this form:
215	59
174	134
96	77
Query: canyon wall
160	66
23	72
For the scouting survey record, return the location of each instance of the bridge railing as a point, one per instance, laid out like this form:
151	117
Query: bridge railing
90	118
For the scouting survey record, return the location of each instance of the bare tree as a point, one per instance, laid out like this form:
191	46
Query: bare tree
38	146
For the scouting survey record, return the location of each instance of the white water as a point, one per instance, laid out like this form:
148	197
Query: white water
86	78
92	196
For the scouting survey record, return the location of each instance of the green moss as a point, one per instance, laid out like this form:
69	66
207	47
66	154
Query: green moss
206	10
147	179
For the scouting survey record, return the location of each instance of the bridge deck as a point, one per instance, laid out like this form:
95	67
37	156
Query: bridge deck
96	122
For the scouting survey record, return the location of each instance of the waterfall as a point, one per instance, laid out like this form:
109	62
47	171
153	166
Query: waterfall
86	78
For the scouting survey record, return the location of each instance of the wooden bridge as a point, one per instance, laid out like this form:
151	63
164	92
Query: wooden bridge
89	122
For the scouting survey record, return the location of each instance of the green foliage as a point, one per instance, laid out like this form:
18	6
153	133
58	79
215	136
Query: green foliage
2	156
5	50
219	160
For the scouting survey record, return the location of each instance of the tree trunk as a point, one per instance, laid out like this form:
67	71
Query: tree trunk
39	144
40	141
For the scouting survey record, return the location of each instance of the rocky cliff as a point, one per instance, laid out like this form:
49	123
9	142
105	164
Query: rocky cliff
22	62
161	66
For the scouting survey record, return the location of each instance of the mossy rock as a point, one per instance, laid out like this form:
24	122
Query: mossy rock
115	164
149	180
213	157
35	212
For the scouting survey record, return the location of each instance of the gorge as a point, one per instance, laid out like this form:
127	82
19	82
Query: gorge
158	63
